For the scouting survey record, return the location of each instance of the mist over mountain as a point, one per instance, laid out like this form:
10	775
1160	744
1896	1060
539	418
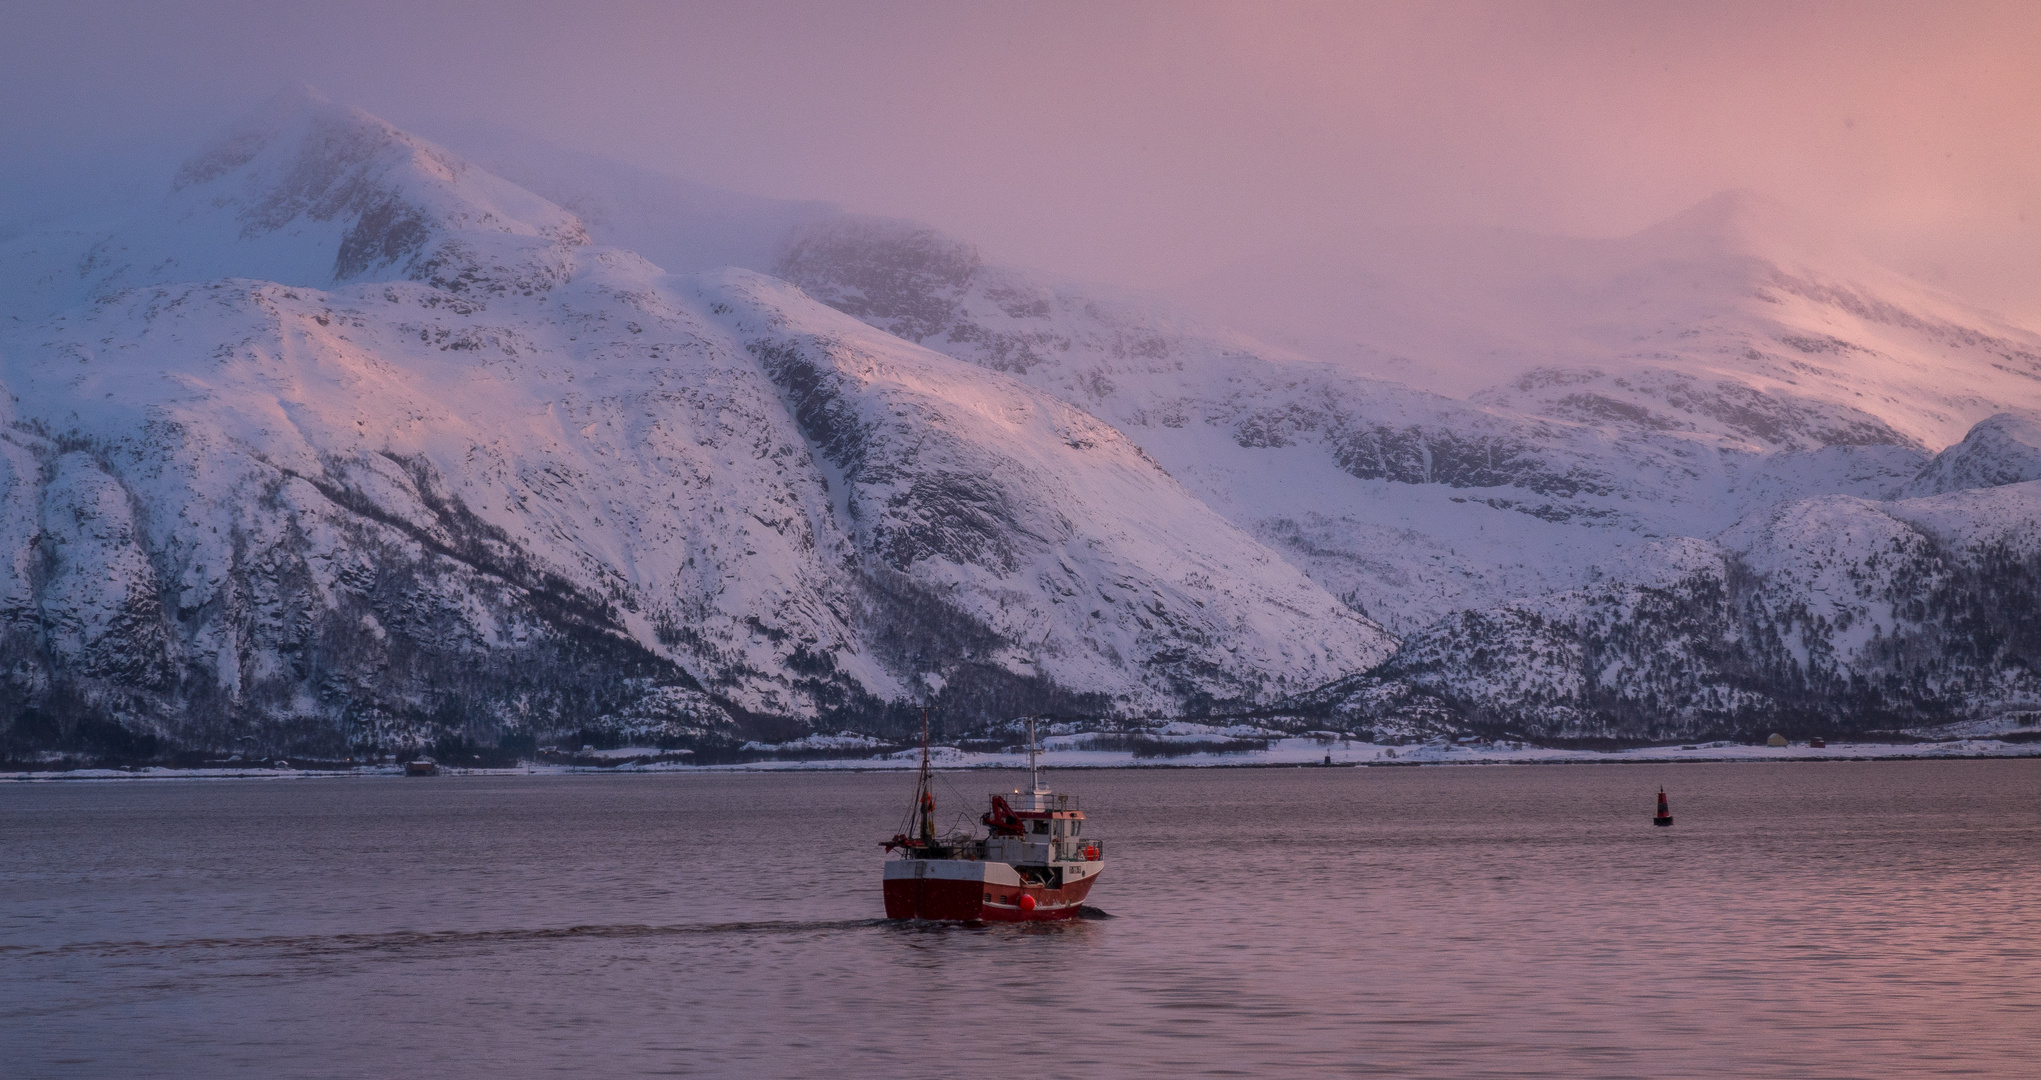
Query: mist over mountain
350	442
680	225
1734	318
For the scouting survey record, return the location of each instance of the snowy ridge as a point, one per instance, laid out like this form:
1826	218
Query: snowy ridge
1583	552
1458	503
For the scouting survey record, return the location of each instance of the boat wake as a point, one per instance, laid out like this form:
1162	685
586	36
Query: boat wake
406	940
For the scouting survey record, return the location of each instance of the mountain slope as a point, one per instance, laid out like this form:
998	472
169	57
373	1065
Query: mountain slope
1831	614
1048	527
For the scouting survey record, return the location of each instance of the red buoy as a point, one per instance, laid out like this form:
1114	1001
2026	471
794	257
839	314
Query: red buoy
1664	811
1027	903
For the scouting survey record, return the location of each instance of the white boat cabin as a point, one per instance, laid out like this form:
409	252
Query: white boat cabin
1051	831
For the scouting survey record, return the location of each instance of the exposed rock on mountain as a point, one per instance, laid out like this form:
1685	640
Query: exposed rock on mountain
905	279
1821	615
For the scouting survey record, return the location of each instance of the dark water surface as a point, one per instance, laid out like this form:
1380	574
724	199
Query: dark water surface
1845	920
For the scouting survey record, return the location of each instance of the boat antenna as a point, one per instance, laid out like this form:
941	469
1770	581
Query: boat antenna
1034	761
924	793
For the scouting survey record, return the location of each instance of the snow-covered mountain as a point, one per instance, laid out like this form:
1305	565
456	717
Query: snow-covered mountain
354	442
492	478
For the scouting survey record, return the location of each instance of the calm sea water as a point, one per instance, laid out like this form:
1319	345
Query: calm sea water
1845	920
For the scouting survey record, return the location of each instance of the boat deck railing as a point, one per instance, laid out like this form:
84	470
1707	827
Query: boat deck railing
1071	848
1025	801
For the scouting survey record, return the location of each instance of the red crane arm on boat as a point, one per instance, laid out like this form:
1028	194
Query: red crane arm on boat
1002	820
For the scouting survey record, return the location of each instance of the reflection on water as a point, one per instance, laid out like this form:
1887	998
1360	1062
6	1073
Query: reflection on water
1868	919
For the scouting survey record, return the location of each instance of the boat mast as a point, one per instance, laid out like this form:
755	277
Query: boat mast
1034	764
924	795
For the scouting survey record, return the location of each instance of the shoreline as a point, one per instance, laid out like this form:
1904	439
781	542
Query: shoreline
1286	754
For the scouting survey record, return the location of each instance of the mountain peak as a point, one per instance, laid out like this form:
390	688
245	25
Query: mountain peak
1739	221
2002	449
242	140
309	192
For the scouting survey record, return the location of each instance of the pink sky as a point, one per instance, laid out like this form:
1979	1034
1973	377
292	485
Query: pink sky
1146	143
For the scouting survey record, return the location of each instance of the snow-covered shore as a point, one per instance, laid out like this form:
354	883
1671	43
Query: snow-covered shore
1293	752
1307	751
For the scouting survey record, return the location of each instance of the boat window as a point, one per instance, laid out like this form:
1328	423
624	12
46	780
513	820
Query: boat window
1077	828
1041	826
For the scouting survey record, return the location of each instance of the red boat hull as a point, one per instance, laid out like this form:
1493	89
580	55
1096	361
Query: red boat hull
956	900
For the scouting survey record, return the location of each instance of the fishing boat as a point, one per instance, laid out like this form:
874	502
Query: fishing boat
1034	863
